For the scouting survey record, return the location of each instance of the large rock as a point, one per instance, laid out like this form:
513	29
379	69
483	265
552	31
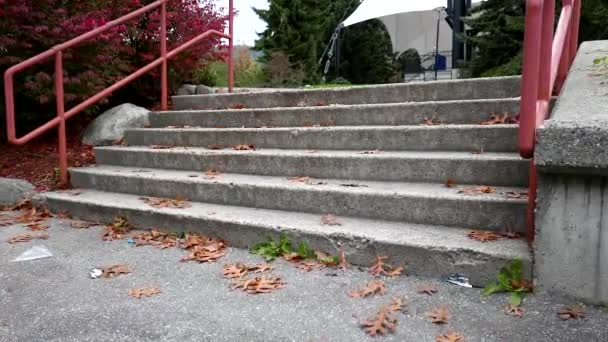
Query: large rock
186	89
12	191
110	126
202	89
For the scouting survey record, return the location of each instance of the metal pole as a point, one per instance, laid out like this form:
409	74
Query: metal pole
163	55
338	54
437	42
231	46
62	149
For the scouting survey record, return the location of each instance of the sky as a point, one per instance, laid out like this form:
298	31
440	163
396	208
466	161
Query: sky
247	23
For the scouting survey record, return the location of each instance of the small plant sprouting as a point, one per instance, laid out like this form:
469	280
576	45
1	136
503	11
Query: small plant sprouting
510	279
271	250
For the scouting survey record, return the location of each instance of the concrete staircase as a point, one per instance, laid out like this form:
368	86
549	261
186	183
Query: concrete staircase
394	202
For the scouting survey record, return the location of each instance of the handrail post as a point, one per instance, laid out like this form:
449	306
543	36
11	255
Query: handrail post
546	43
163	55
231	46
59	98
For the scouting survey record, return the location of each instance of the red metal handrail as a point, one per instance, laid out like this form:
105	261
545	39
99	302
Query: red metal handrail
57	51
548	56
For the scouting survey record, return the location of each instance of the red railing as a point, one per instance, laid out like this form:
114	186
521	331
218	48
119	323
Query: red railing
548	56
57	51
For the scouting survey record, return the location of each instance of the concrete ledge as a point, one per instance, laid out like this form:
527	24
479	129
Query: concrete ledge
575	138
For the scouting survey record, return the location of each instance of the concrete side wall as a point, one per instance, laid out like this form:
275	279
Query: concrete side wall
571	252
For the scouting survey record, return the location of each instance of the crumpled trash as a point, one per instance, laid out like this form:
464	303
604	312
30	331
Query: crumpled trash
131	241
34	253
459	279
96	273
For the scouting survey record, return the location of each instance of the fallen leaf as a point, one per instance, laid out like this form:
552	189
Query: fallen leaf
215	147
450	336
239	270
371	288
156	238
161	147
398	304
203	249
157	202
259	284
372	152
516	194
321	104
26	237
114	271
439	315
144	292
483	235
343	264
310	265
237	106
381	324
220	126
430	122
63	214
449	183
37	226
293	256
514	310
117	230
500	119
428	289
299	179
379	267
476	190
571	312
212	173
243	147
330	220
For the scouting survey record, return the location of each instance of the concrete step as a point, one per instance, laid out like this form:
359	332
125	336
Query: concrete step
423	203
425	250
492	168
482	88
493	138
412	113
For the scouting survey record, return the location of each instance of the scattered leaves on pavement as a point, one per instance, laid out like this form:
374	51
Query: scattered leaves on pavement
309	265
203	249
571	312
176	203
430	122
483	235
114	271
242	147
379	267
516	194
156	238
264	284
439	315
215	147
239	270
26	237
514	310
330	220
381	324
476	190
428	289
116	230
371	288
34	218
82	224
451	336
144	292
500	119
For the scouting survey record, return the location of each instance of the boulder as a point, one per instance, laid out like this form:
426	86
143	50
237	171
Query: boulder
12	191
202	89
186	89
110	126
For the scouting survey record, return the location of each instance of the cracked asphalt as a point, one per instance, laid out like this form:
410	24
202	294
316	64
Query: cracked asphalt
54	299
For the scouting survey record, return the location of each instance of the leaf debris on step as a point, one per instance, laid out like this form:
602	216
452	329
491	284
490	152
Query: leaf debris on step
215	147
372	152
330	220
483	235
428	289
516	194
144	292
430	122
211	173
449	183
371	288
309	265
203	249
476	190
116	230
243	147
500	119
161	147
156	238
379	267
175	203
439	315
257	285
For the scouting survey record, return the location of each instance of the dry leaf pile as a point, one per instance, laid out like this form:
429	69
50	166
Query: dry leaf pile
257	285
571	312
330	220
439	315
203	249
156	238
379	267
451	336
483	235
27	237
144	292
239	270
114	271
116	230
371	288
176	203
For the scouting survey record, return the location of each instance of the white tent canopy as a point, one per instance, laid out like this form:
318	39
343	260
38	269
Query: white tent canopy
371	9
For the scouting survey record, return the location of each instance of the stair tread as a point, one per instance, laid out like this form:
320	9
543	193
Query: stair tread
406	154
383	188
398	233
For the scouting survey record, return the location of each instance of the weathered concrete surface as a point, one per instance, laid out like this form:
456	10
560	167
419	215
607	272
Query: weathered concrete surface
54	300
571	253
426	203
494	138
427	250
506	169
110	126
487	88
411	113
186	89
14	190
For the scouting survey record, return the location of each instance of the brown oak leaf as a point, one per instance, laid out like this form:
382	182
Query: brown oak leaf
243	147
117	230
381	324
156	238
477	190
310	265
82	224
215	147
212	173
500	119
342	264
571	312
161	147
203	249
379	267
449	183
330	220
234	271
259	284
430	122
144	292
371	288
428	289
204	254
176	203
514	310
114	271
451	336
516	194
398	304
26	237
439	315
483	235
